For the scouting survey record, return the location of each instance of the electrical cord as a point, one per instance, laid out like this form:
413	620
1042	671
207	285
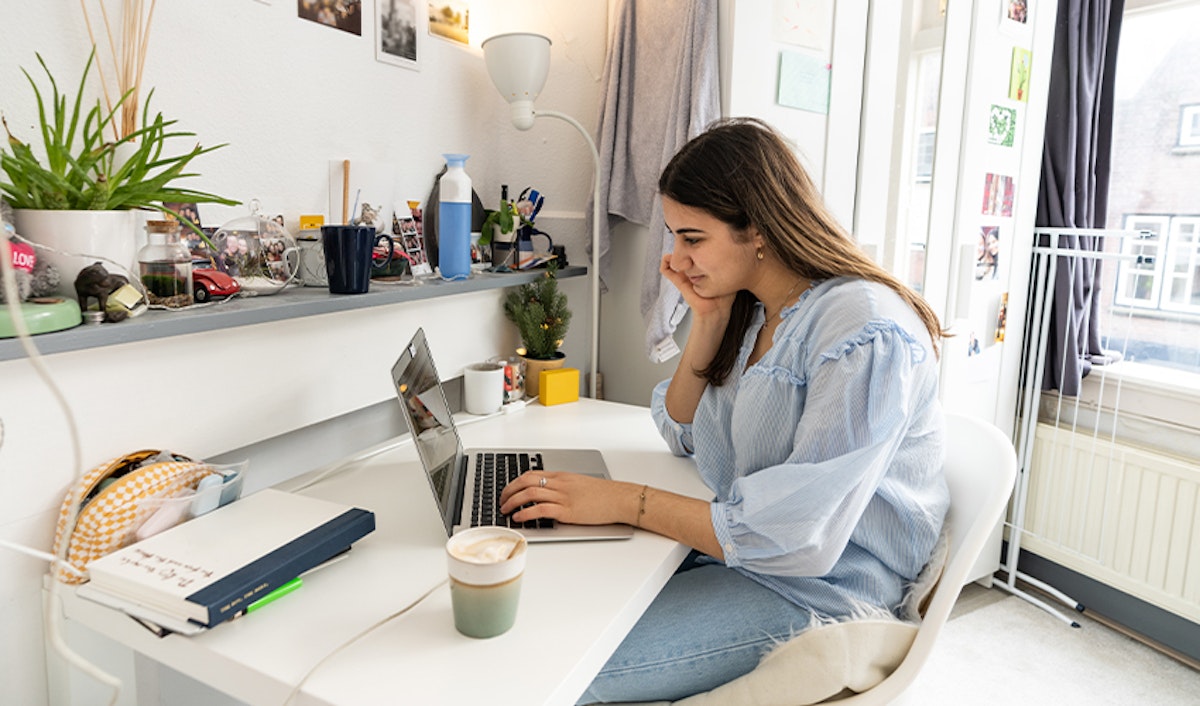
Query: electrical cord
346	464
366	631
51	615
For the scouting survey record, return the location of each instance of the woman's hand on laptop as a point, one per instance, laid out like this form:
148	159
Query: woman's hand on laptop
570	497
587	500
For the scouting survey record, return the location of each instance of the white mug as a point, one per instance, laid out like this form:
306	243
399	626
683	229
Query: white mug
483	388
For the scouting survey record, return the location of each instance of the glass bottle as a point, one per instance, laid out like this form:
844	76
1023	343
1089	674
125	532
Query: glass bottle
165	265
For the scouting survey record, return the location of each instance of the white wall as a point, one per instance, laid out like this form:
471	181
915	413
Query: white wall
288	95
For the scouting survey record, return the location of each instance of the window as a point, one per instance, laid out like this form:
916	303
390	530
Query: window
1151	309
1189	126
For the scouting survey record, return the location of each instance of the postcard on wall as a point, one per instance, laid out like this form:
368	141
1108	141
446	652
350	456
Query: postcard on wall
997	195
1002	318
1002	125
803	82
345	15
1018	78
448	19
987	252
397	33
803	23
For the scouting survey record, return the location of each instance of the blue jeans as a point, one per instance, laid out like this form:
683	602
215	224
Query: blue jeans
708	625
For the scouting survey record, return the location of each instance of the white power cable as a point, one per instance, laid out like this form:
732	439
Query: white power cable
366	631
52	616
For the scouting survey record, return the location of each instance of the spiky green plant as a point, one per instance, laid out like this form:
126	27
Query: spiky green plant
540	312
82	171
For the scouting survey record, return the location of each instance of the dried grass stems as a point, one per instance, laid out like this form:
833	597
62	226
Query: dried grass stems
128	57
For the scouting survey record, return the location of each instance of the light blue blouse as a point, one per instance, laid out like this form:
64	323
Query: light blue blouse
825	456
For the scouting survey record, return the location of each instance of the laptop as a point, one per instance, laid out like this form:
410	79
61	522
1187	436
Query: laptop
466	483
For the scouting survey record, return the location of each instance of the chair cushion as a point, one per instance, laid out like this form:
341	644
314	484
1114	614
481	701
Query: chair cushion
832	659
818	664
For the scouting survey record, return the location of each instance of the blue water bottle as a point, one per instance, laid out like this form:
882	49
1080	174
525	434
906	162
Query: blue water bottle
454	219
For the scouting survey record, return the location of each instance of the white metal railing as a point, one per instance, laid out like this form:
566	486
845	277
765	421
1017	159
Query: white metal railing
1048	250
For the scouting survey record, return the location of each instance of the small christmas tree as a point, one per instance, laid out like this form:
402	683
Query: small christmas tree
540	312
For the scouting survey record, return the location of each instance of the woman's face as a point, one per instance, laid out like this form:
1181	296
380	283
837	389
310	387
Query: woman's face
707	252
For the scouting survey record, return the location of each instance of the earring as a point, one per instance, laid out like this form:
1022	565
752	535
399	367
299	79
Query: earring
759	253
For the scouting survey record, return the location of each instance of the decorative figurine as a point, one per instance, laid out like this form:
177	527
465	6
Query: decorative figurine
95	281
368	217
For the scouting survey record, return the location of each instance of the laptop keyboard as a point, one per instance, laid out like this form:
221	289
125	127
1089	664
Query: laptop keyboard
493	471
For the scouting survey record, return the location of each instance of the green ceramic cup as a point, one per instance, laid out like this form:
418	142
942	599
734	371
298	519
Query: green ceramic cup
485	565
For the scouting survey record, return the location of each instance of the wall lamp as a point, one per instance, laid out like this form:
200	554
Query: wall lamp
518	64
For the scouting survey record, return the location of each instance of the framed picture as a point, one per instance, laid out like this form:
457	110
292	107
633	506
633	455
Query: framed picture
449	19
397	33
345	15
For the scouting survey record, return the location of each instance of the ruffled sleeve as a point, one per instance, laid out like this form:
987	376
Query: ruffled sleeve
796	518
677	434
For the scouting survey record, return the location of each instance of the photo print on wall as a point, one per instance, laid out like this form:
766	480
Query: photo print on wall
997	195
397	33
1002	318
345	15
1017	10
450	19
987	252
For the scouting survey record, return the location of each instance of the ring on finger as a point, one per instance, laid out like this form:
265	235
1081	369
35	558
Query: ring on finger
542	482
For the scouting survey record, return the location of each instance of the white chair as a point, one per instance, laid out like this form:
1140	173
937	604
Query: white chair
868	662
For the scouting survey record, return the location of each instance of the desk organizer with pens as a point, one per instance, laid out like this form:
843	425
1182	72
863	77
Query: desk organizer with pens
132	496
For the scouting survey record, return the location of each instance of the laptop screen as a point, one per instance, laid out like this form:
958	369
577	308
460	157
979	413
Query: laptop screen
427	414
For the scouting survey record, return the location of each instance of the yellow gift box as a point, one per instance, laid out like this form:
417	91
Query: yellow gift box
558	386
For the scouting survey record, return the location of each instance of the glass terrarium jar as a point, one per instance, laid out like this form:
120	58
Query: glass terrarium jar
165	265
258	252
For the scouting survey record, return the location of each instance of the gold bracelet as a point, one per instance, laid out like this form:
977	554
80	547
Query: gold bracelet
641	507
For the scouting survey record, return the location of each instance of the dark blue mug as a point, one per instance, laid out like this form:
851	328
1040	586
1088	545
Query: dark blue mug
348	257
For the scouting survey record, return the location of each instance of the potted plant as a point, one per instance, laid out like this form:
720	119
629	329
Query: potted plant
540	312
499	231
84	196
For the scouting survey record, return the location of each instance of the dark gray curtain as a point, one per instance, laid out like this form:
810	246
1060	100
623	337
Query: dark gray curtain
1074	187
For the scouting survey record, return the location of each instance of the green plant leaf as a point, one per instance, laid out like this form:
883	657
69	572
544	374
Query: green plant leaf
82	170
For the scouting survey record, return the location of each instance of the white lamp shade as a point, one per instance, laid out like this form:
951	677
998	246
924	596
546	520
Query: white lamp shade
518	64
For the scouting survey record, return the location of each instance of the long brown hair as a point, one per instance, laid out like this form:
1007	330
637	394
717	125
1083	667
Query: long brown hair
743	173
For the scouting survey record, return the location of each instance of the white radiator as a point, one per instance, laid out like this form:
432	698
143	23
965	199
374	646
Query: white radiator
1126	516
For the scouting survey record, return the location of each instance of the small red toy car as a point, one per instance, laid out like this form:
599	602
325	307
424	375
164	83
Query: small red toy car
207	283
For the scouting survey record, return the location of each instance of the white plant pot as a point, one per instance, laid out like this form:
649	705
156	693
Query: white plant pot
79	238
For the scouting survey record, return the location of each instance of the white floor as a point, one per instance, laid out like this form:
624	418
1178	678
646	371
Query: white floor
1000	649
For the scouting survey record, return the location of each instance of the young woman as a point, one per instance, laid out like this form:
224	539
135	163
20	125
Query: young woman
807	394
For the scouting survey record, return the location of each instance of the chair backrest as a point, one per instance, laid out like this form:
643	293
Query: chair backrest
981	469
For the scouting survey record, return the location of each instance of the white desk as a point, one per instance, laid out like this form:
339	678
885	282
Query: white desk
578	599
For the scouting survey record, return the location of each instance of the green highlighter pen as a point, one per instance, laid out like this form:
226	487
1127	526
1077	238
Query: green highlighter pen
273	595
